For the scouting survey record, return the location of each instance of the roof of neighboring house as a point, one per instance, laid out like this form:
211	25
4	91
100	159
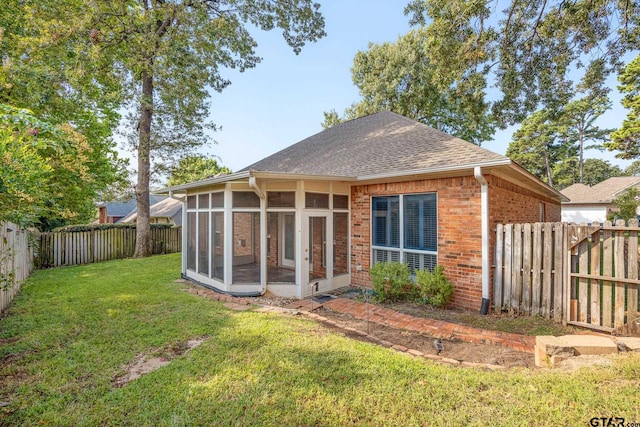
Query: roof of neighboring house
378	148
602	193
120	209
167	208
377	144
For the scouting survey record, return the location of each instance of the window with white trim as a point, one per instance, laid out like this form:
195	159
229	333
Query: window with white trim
405	228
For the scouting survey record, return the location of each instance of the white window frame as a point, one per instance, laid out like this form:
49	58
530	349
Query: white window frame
401	250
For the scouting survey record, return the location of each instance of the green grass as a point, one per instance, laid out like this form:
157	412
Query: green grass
72	330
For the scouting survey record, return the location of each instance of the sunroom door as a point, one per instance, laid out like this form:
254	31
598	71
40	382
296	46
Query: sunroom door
288	239
318	253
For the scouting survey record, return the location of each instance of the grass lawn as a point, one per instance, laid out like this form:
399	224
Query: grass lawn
71	331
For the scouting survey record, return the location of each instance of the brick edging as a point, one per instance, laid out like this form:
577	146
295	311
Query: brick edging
435	328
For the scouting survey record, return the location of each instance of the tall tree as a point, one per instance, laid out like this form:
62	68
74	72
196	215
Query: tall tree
48	80
531	50
45	171
627	138
400	77
536	145
598	170
168	55
577	121
194	168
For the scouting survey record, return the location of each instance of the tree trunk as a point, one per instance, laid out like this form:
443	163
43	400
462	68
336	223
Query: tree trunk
143	227
547	166
581	161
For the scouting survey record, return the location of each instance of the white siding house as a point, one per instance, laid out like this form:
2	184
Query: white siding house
592	204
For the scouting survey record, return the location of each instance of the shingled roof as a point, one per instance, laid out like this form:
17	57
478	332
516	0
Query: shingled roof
377	144
603	192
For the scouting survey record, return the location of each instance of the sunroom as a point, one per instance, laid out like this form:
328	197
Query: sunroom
248	233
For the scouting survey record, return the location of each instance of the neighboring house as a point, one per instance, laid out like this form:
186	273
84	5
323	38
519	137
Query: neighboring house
316	215
167	211
113	212
592	204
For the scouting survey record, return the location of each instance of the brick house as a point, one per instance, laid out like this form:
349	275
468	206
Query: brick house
316	215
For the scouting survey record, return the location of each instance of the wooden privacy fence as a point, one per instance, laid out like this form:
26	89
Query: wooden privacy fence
585	275
83	247
16	261
529	272
603	285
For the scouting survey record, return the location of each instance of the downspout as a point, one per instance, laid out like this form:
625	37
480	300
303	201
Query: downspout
484	223
263	242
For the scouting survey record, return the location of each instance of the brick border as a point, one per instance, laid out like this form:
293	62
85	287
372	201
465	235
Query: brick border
435	328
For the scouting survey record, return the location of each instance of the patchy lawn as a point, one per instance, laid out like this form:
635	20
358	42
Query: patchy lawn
73	332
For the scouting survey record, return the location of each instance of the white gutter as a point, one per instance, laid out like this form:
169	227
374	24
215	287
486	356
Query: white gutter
484	224
448	168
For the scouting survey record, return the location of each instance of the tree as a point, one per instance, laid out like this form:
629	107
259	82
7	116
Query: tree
551	145
44	170
633	169
399	77
531	51
627	204
627	139
54	88
167	56
598	170
577	123
535	145
194	168
566	172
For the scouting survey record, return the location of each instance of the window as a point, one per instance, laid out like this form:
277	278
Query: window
340	201
191	202
386	221
203	201
316	200
217	200
405	228
281	199
245	199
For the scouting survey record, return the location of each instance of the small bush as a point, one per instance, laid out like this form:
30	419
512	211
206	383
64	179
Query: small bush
435	288
391	281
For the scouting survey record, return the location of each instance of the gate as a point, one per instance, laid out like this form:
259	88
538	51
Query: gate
603	278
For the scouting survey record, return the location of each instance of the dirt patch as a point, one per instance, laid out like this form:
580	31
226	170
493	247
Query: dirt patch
145	363
453	349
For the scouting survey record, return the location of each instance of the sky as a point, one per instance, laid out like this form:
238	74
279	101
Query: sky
281	101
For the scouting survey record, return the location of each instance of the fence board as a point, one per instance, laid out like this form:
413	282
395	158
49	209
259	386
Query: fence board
526	268
547	267
516	273
632	293
583	266
536	269
558	270
16	261
508	264
619	262
607	270
594	309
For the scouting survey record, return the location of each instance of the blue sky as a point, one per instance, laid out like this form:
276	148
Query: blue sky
281	100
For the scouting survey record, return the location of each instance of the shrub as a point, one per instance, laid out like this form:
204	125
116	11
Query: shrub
391	281
435	288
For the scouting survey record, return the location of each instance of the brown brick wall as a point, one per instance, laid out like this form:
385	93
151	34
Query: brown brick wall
341	240
459	226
